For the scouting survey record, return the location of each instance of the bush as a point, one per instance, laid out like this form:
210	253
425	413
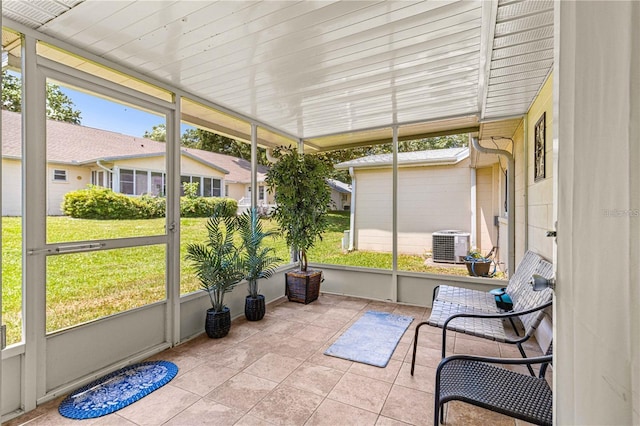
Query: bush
96	202
204	206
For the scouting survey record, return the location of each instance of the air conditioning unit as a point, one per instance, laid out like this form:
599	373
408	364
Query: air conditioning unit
450	246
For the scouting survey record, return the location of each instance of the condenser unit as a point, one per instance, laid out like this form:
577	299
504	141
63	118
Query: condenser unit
450	246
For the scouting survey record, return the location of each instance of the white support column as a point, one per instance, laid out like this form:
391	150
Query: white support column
394	218
173	224
254	165
34	183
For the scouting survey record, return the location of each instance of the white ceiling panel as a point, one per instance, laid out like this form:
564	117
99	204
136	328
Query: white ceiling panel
314	69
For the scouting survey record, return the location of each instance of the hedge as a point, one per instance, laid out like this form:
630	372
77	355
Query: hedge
96	202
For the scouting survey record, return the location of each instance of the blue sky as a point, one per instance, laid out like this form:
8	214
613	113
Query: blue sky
107	115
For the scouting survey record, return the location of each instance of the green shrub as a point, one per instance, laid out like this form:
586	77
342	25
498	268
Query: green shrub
96	202
204	206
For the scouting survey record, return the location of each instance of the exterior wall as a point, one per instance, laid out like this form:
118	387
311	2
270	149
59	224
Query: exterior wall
236	190
11	187
540	194
189	166
77	178
155	164
486	209
430	199
336	200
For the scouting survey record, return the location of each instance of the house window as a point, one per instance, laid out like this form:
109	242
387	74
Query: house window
158	185
217	185
59	175
141	182
226	190
127	181
97	178
261	193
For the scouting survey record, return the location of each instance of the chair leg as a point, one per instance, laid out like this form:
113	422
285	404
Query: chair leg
437	413
442	413
524	355
415	346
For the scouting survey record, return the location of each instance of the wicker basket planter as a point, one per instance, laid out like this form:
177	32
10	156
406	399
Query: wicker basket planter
218	323
478	268
303	287
254	308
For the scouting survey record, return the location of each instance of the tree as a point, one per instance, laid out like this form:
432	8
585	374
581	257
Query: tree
59	106
157	133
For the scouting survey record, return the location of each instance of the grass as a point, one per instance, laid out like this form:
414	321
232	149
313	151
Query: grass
85	286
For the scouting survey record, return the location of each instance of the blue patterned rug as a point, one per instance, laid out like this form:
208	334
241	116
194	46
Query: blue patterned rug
117	390
372	339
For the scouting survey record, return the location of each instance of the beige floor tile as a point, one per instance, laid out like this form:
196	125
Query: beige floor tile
285	327
423	378
332	413
314	378
320	358
416	312
354	304
111	420
386	421
314	333
159	406
401	351
296	348
428	357
387	374
204	378
242	391
409	405
461	414
206	413
287	406
249	420
362	392
184	360
476	346
238	357
381	306
273	367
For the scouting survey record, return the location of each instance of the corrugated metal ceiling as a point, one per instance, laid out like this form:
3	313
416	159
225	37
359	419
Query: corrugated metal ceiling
319	70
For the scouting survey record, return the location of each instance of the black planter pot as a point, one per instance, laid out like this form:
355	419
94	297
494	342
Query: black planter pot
218	323
254	308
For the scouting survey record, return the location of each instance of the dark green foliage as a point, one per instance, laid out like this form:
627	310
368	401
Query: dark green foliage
259	261
59	106
102	203
218	262
302	196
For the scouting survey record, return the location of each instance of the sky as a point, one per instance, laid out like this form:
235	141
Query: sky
107	115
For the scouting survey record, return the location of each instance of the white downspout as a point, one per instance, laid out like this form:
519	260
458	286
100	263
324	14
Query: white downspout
474	197
511	178
352	214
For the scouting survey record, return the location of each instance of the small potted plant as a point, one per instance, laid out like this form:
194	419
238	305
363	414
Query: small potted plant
303	199
477	264
258	261
218	266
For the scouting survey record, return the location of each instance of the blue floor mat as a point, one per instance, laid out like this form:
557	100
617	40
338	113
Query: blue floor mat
117	390
372	339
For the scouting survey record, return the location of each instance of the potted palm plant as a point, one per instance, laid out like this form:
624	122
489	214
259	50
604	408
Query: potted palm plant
302	198
258	261
218	266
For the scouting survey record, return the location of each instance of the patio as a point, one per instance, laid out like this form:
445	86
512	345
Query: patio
274	372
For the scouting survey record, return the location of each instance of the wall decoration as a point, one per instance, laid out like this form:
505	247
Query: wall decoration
539	147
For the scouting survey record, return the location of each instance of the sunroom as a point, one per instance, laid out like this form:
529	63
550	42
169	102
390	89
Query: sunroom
548	92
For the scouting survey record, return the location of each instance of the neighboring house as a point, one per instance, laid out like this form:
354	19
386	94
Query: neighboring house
435	193
78	156
340	195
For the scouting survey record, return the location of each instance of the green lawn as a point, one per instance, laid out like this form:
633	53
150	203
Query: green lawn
85	286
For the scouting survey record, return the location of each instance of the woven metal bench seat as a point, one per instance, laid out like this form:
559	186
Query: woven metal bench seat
478	300
463	378
476	313
488	328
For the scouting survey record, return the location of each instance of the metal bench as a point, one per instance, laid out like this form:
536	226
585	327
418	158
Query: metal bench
475	312
477	381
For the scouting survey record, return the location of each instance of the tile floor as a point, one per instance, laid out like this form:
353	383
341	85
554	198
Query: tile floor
274	372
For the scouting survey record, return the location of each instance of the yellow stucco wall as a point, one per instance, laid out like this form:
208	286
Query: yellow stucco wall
430	199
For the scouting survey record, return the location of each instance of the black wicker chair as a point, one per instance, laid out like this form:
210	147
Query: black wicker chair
475	380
